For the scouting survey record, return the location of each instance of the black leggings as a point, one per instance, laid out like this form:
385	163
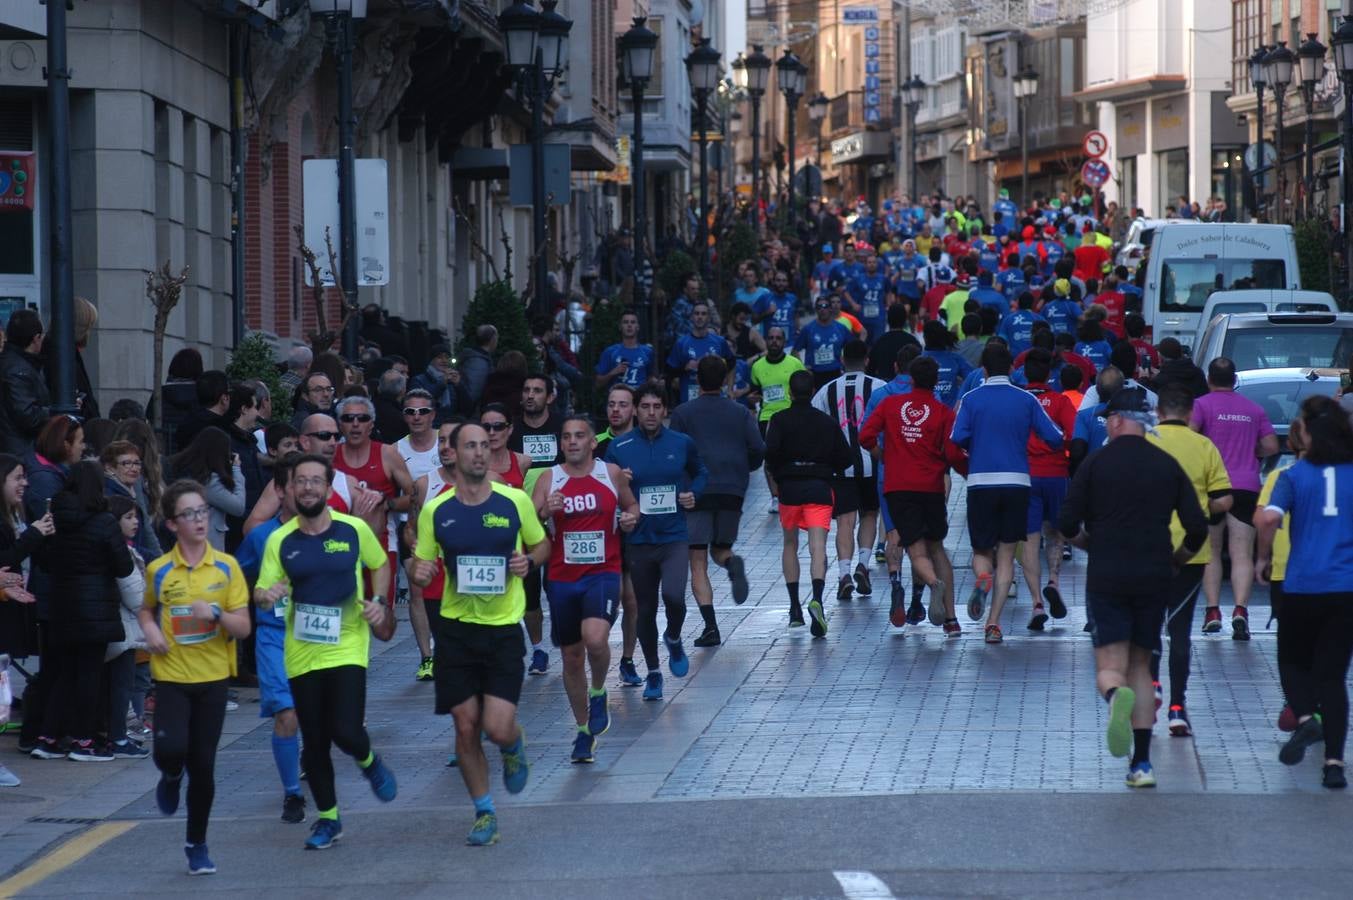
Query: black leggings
1180	601
653	566
1315	641
76	687
188	720
331	706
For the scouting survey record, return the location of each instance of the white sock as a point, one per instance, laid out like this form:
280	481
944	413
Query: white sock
864	557
536	648
842	568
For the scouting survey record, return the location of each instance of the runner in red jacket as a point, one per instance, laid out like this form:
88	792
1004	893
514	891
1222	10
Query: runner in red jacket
917	453
1048	480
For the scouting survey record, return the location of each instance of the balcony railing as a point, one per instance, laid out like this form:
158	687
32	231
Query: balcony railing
846	113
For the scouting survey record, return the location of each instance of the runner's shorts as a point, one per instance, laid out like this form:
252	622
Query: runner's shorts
918	515
1136	618
274	690
712	527
997	515
806	515
855	494
474	660
595	596
1045	502
1243	504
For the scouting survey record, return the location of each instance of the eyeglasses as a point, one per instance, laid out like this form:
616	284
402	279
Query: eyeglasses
323	435
495	426
129	463
349	418
321	389
194	515
309	482
417	410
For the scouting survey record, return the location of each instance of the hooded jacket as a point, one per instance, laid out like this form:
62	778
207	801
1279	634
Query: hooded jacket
84	559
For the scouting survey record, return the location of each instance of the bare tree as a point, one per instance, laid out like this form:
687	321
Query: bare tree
322	338
163	289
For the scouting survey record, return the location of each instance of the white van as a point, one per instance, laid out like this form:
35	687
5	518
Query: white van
1189	263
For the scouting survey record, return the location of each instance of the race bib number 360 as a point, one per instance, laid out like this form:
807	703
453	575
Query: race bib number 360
584	547
317	624
486	575
542	448
657	500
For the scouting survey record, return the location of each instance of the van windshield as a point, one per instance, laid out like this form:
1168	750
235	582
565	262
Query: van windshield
1187	283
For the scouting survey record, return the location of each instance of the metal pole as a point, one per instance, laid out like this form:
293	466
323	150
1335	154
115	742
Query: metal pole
1024	152
539	265
756	163
912	109
702	227
1278	93
347	187
908	144
791	103
239	35
1308	95
640	214
1346	189
1259	152
62	336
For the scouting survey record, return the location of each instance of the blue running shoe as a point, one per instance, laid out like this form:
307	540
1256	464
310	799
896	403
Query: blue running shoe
382	780
167	794
653	687
677	660
484	832
629	675
323	834
540	663
515	767
584	746
598	716
1141	776
198	861
452	761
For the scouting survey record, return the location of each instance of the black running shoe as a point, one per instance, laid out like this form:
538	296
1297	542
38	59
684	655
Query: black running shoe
293	809
897	613
915	612
1334	778
709	638
843	588
862	585
1307	733
1055	604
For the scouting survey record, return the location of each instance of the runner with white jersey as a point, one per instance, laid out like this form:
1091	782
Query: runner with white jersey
586	502
418	449
856	495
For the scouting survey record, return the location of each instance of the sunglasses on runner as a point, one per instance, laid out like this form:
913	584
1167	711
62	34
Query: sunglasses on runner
349	418
323	435
417	410
495	426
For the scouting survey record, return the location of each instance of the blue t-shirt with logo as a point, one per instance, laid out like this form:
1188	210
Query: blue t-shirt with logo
822	345
785	315
640	358
871	292
1011	283
1018	330
1320	501
690	347
1097	352
953	370
905	272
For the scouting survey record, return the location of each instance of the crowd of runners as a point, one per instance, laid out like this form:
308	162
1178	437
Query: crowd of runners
997	354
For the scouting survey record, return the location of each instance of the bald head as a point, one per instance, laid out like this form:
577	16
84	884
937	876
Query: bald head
319	434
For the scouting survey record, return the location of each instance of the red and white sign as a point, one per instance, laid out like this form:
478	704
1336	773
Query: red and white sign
1095	172
1095	145
17	184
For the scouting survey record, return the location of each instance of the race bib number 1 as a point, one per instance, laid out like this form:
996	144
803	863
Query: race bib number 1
658	501
486	575
317	624
542	448
584	547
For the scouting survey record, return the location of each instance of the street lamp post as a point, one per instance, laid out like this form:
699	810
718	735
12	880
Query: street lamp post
1311	58
62	337
1342	43
1025	85
637	47
756	69
702	65
817	111
1278	74
792	78
1258	78
913	91
339	16
536	45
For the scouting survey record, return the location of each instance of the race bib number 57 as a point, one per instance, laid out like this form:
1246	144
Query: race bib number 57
658	500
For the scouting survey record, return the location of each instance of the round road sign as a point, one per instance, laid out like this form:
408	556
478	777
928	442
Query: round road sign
1095	172
1095	145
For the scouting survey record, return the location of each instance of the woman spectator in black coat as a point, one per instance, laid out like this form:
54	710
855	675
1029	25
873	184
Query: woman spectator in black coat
18	543
84	559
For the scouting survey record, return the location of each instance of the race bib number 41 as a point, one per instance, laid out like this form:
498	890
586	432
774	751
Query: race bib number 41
542	448
658	500
317	624
484	575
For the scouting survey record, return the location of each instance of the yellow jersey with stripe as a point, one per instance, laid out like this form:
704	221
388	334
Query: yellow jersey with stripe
1202	463
323	609
199	651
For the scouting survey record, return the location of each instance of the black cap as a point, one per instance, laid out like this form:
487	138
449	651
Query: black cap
437	350
1128	400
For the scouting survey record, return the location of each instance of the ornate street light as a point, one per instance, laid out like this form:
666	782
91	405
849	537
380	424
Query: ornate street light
1025	84
791	76
1342	45
1259	78
913	94
1278	73
1311	64
702	65
817	112
756	71
637	46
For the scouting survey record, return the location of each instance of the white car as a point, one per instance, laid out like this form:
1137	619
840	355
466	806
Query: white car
1281	392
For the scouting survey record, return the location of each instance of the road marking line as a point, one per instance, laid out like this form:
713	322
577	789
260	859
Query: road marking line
69	853
863	886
